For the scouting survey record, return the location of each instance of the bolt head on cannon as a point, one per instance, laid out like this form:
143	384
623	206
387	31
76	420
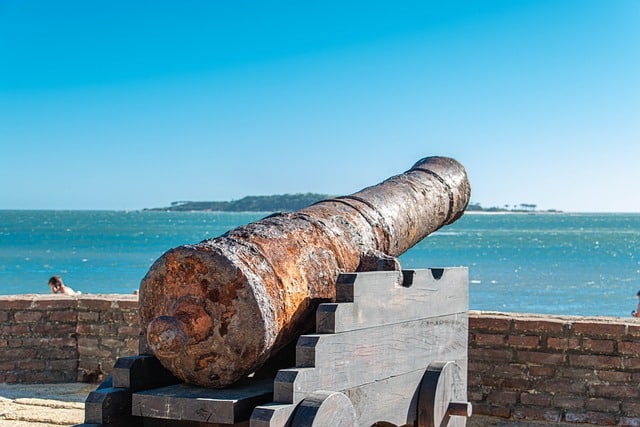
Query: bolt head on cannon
215	311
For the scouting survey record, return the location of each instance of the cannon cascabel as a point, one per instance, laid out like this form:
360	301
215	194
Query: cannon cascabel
215	311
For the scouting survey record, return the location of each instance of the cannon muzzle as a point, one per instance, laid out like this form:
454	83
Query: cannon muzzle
215	311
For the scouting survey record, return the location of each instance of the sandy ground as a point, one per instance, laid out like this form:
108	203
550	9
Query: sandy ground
43	405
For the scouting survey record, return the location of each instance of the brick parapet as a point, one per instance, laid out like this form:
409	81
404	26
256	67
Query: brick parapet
555	368
56	338
521	367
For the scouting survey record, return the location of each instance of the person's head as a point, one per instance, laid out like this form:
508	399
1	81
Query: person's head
56	285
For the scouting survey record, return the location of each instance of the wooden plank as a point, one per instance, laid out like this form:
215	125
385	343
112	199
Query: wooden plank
272	415
141	373
394	400
109	405
325	408
186	402
377	298
348	359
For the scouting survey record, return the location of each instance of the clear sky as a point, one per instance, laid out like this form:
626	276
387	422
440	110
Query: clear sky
133	104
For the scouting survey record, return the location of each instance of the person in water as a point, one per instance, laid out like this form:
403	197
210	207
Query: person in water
636	312
58	287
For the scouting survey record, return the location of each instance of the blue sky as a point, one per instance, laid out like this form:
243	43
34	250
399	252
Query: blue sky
127	105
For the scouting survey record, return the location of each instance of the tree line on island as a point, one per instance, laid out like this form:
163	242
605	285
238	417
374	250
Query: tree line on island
294	202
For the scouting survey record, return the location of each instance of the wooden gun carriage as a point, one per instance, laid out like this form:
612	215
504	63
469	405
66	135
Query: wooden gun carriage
391	351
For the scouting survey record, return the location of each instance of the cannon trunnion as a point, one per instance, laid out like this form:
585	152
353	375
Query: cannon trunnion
391	351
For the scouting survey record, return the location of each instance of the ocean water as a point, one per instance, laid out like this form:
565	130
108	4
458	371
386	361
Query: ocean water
575	264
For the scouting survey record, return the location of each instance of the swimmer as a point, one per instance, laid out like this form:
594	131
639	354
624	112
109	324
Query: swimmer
636	312
58	287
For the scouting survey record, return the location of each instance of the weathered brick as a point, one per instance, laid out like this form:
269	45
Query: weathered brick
629	421
27	316
14	330
614	391
31	364
111	342
57	353
593	329
559	343
630	348
19	342
95	304
19	353
517	383
494	355
94	329
540	357
64	364
536	399
9	377
60	329
598	345
539	414
88	316
590	417
539	325
614	376
474	395
631	408
503	397
633	330
602	405
130	304
582	374
524	341
58	302
131	346
541	371
7	365
13	302
489	339
94	351
63	316
485	322
85	341
565	401
132	331
110	317
562	386
131	317
491	410
631	363
595	361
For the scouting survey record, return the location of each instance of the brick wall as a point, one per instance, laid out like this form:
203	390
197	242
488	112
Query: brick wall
555	368
522	367
55	338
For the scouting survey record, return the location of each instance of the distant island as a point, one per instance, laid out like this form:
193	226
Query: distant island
294	202
274	203
519	208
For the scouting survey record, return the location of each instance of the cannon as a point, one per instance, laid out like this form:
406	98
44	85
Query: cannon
373	345
216	311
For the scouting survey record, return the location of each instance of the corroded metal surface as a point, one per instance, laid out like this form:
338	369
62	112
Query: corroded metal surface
215	311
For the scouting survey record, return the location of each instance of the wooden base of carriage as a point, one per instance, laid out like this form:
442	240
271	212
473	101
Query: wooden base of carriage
392	351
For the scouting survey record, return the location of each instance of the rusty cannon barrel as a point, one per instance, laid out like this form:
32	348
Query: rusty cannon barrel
215	311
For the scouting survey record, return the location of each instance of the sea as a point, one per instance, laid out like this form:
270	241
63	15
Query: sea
550	263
